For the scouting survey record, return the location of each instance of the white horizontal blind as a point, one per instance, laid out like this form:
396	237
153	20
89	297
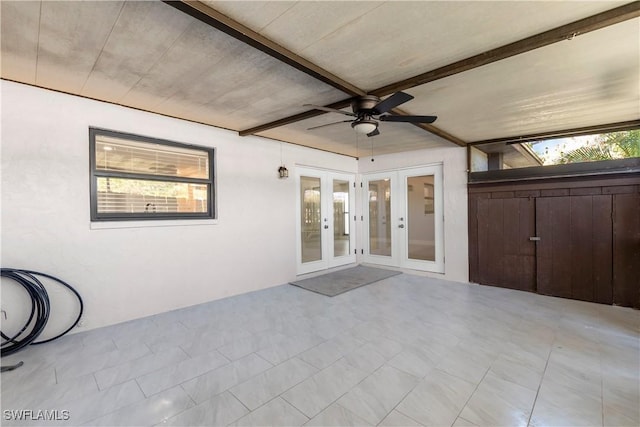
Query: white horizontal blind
114	154
129	180
117	195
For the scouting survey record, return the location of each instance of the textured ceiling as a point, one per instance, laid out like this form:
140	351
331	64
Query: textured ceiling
372	44
151	56
590	80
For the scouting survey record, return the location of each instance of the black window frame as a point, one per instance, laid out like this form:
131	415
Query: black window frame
148	216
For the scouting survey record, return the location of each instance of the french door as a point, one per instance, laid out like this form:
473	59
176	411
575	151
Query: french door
325	219
404	218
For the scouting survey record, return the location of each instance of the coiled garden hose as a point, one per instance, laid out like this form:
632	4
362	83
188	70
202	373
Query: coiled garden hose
39	315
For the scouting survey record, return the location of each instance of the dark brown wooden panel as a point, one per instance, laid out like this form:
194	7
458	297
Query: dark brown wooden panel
527	193
511	225
553	258
557	183
626	250
510	244
483	239
602	259
589	231
585	191
506	256
580	256
620	189
526	247
527	227
574	255
544	248
554	192
473	238
562	247
502	195
519	225
493	262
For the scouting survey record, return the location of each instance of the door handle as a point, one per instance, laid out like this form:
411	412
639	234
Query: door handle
534	239
401	226
326	226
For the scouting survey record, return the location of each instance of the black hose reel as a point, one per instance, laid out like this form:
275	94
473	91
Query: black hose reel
39	315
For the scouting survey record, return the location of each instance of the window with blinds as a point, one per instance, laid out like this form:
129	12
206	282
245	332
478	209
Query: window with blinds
135	177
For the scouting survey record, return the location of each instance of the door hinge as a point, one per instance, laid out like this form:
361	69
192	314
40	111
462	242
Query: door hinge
360	185
354	184
362	251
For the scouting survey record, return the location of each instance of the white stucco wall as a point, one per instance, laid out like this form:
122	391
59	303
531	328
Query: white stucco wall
127	273
454	166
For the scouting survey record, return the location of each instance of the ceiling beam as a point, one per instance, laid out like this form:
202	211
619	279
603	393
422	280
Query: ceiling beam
215	19
558	34
564	32
295	118
566	133
212	17
343	104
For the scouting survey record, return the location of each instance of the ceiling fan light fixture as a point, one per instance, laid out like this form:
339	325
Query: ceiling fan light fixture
364	126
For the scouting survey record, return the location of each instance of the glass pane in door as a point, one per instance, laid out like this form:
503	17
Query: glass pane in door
340	218
380	217
310	219
420	218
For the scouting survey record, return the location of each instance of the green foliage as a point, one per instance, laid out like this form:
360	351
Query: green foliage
608	146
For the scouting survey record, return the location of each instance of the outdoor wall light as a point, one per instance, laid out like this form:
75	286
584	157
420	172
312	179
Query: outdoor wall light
283	172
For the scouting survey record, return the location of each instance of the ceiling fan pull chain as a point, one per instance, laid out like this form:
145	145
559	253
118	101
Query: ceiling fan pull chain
372	159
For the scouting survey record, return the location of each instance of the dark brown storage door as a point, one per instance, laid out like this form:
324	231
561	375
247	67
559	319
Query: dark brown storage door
519	251
474	243
574	254
554	247
490	262
602	249
506	257
626	249
589	231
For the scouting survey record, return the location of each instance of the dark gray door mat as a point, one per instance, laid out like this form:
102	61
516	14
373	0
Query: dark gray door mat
338	282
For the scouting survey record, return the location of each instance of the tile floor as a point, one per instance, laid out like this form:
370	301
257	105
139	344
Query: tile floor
405	351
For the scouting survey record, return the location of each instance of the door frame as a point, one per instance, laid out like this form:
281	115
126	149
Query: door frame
327	260
367	256
399	207
437	265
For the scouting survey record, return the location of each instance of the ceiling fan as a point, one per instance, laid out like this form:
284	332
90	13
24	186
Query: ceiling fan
366	108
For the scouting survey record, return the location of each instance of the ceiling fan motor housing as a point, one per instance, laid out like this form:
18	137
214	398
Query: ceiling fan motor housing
364	105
